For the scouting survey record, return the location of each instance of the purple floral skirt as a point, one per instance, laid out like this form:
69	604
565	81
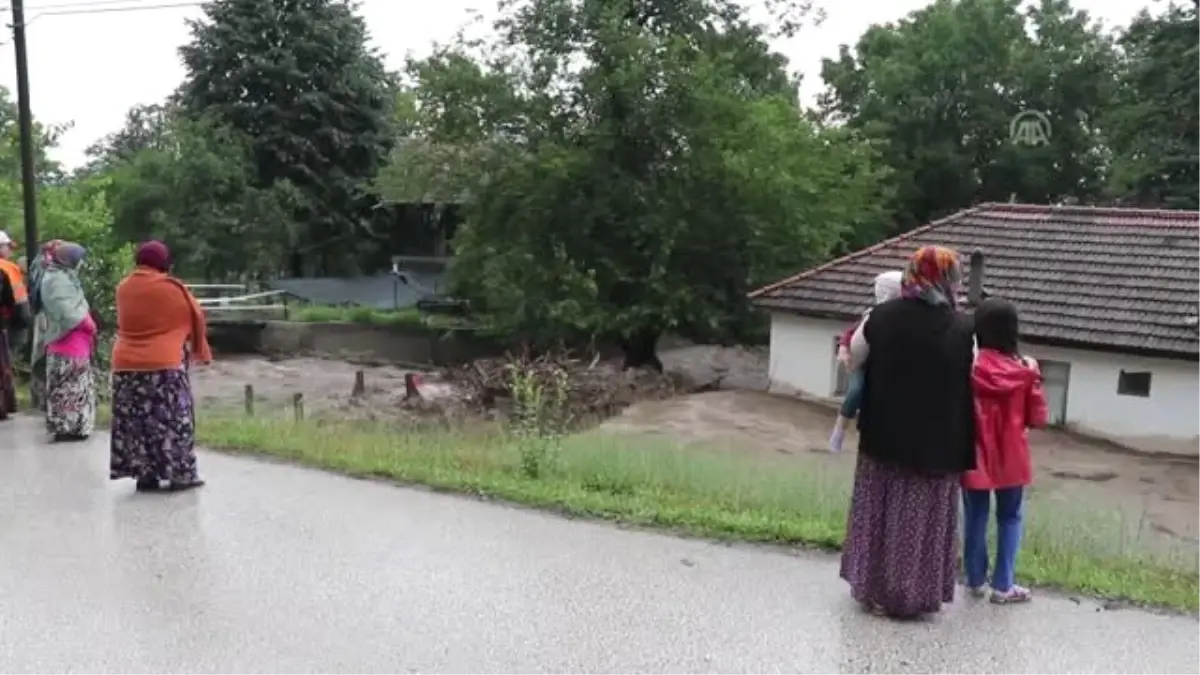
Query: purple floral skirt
153	426
901	549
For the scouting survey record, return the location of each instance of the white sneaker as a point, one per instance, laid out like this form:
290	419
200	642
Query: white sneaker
1014	595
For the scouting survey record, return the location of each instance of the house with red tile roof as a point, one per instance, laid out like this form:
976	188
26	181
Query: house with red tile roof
1108	300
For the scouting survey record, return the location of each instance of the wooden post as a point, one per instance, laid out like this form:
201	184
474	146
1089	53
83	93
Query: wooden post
298	406
249	400
360	385
410	386
975	283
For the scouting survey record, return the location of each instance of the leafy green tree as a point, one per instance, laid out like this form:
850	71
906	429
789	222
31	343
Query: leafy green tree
194	188
297	78
628	168
939	89
72	210
1153	128
146	127
77	212
44	137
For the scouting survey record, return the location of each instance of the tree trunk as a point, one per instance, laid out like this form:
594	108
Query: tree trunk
641	350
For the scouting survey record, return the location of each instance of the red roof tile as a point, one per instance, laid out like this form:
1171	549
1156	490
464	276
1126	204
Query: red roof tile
1107	278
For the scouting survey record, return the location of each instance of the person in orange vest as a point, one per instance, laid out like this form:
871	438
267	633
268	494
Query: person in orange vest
16	276
14	318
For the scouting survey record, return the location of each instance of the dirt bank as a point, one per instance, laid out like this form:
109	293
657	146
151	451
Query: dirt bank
326	384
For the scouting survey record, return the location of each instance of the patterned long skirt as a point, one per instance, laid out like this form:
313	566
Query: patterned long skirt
900	555
8	388
153	427
70	396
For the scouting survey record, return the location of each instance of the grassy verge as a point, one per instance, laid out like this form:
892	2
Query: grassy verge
711	494
364	315
408	316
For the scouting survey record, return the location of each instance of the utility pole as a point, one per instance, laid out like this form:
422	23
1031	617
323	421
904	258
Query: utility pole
25	127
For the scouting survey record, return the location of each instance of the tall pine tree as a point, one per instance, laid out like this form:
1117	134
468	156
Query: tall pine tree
297	78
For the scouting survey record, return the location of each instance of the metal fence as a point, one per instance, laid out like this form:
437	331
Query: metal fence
235	302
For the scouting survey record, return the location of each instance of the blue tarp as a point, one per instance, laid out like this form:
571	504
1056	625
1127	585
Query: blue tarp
385	291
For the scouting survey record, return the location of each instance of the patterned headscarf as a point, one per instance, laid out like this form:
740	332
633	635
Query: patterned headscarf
37	270
67	254
933	274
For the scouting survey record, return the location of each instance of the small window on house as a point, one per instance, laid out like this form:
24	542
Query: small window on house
1133	383
841	381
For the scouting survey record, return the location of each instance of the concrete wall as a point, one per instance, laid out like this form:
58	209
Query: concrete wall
387	344
1081	386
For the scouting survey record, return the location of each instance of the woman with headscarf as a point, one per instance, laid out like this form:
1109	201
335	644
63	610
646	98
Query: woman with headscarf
160	328
916	439
63	337
37	373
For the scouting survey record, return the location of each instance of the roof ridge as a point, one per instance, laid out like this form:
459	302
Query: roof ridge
865	251
1084	209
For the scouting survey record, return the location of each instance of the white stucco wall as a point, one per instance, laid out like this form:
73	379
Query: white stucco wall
1168	420
1169	414
802	355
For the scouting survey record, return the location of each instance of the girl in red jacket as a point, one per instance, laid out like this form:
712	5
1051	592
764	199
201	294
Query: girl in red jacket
1008	400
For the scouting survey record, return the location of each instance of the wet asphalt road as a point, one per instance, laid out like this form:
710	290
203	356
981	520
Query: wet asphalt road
276	568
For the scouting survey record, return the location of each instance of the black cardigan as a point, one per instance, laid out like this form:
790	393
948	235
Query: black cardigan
917	409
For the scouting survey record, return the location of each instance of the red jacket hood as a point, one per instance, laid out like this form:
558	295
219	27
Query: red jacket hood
998	375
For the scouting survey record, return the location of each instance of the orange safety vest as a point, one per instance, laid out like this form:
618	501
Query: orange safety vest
17	278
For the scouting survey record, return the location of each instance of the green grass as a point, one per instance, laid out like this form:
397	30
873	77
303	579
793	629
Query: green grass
698	492
408	316
364	315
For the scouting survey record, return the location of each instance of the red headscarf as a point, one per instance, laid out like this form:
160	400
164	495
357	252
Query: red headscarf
155	255
933	275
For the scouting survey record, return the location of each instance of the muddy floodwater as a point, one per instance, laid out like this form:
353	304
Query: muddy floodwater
1154	499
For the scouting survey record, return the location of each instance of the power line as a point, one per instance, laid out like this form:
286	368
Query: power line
106	10
100	7
78	3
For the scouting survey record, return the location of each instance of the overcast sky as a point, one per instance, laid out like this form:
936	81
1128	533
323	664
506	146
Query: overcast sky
89	69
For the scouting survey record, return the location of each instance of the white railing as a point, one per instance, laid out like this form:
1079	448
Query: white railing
237	303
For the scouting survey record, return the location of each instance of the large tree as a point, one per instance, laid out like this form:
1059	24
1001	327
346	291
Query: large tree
74	210
939	89
146	127
192	184
628	167
1153	128
297	78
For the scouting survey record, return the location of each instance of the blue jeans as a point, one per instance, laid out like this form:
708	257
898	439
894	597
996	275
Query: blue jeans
853	398
1008	536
